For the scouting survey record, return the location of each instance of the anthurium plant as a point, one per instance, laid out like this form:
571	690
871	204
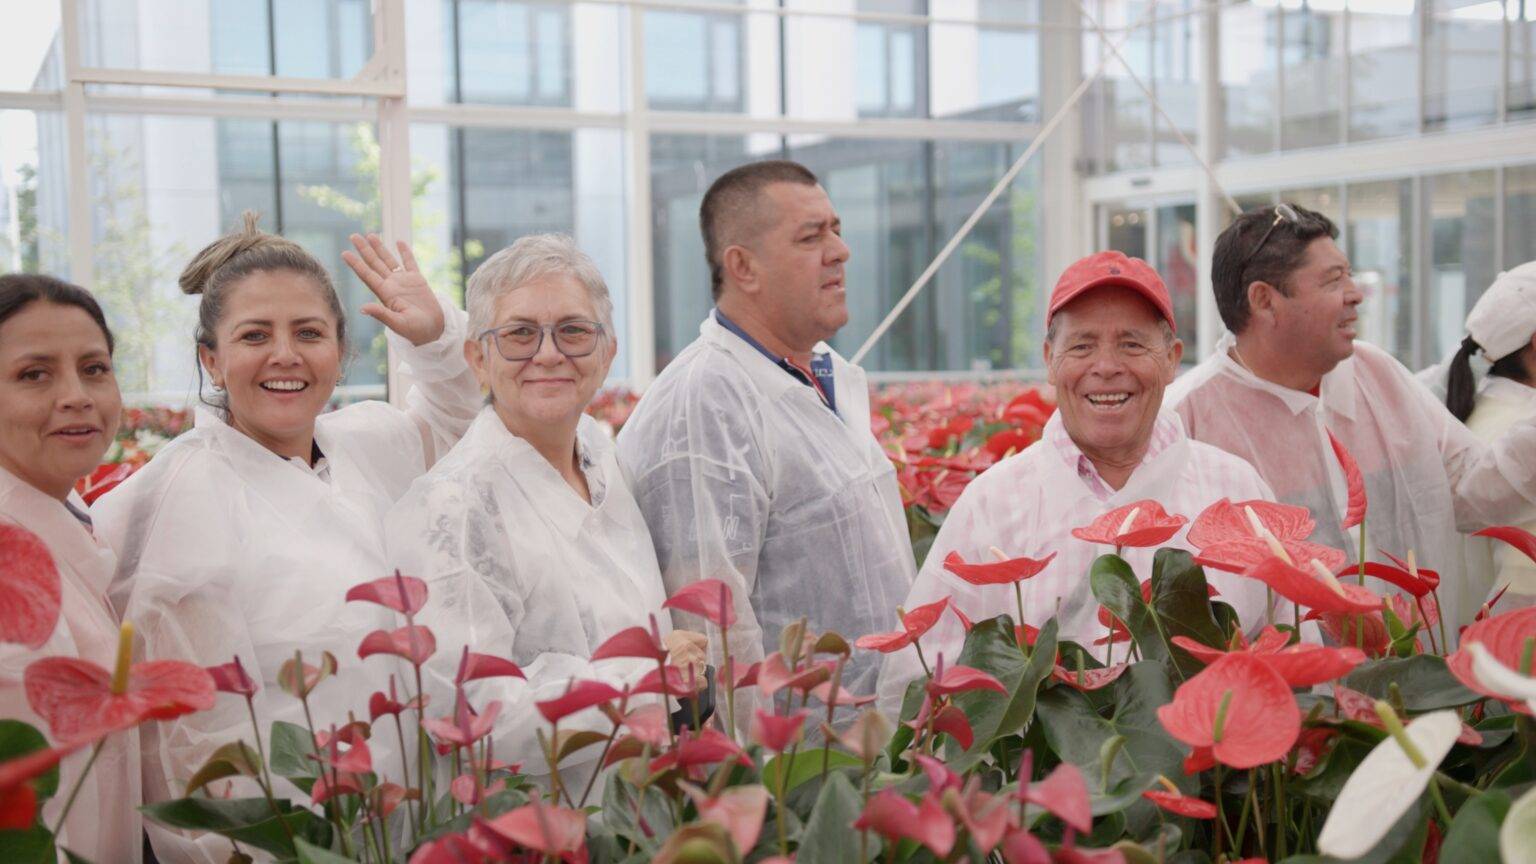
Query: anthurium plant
1184	735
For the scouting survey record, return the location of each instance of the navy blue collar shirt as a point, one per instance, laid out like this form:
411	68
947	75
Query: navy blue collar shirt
818	376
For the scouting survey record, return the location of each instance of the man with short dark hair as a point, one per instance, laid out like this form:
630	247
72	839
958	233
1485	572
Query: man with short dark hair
751	454
1289	375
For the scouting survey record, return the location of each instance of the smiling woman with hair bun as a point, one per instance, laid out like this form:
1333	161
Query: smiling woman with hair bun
242	537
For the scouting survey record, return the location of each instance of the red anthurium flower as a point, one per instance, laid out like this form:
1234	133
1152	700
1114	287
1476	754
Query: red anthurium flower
1428	577
823	692
1140	524
1022	847
632	642
960	679
1007	442
1519	538
81	701
1229	541
953	722
356	760
748	677
1418	586
469	791
939	775
738	809
542	828
647	723
385	797
104	479
348	733
1117	631
1312	746
709	599
893	817
380	705
1360	708
414	642
774	675
1239	707
331	785
404	594
985	816
913	625
1305	665
1510	637
1089	679
29	588
777	733
1354	483
1339	627
675	682
231	678
1063	793
18	800
466	727
474	667
452	849
1026	633
706	748
18	808
1199	759
1178	803
1309	590
580	696
965	623
1004	572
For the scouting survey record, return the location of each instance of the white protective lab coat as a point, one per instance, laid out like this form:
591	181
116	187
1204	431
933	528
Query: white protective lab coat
1426	476
226	549
1501	404
1028	504
744	475
104	824
519	566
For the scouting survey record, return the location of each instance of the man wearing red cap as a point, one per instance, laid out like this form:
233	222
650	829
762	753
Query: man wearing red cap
1110	350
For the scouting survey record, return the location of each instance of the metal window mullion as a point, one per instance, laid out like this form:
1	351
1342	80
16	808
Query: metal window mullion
1420	254
1422	79
1498	218
1277	129
81	230
641	290
1501	110
1346	92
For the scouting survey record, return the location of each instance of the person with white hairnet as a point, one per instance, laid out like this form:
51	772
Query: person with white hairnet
1289	376
752	454
526	535
1502	329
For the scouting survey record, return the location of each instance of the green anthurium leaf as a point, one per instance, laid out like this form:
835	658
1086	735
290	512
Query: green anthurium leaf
1425	682
247	820
234	759
1474	834
32	846
1077	734
291	748
17	739
806	764
992	647
312	854
1115	587
827	838
622	813
1517	836
1181	599
1122	795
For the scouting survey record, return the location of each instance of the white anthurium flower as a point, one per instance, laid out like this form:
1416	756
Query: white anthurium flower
1500	678
1517	836
1387	782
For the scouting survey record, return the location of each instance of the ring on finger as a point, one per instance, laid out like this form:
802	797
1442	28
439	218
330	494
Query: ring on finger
398	268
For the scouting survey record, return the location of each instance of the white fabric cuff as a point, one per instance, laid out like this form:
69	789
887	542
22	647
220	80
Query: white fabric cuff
440	359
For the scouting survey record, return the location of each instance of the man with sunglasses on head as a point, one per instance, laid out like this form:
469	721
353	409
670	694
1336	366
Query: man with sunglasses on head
751	455
1289	376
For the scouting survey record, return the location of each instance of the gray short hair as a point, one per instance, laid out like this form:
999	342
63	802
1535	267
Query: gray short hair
527	259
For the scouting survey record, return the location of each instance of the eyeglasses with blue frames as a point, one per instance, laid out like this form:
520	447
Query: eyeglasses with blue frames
522	340
1283	213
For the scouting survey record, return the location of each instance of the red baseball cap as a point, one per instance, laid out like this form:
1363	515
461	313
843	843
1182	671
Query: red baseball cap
1111	268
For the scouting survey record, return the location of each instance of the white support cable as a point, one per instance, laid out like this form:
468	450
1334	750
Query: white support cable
1157	106
981	209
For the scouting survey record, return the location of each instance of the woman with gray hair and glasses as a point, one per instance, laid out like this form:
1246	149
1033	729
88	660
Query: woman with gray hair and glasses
529	540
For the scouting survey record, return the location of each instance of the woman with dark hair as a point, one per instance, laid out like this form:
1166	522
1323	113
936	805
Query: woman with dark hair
59	411
1501	328
242	536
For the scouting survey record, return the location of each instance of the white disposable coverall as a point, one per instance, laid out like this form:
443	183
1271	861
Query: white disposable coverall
1501	404
1027	505
744	475
104	824
1426	476
227	549
519	566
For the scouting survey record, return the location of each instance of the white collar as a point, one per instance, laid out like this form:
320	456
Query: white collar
1336	391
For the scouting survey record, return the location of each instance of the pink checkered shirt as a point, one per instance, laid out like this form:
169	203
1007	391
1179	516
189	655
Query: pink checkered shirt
1165	431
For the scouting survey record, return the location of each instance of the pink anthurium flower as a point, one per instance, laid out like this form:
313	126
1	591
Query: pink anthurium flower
647	723
914	625
1360	708
823	693
1231	541
331	785
81	701
413	642
380	704
1064	794
632	642
774	675
709	599
1301	665
737	809
1239	707
30	591
776	733
1180	804
673	683
475	667
1354	484
298	679
469	791
404	594
386	797
960	679
356	760
1310	589
1139	524
1510	639
953	722
231	678
985	816
1005	572
893	817
580	696
466	727
1088	679
542	828
706	748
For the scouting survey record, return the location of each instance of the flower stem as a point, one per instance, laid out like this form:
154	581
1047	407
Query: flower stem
75	790
837	683
921	659
607	745
1018	599
1434	794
